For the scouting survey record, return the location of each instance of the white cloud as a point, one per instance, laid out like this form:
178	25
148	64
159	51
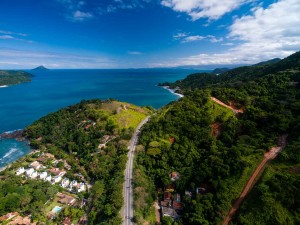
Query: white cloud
6	37
134	53
185	38
192	38
211	9
213	39
74	10
265	34
12	33
179	36
81	16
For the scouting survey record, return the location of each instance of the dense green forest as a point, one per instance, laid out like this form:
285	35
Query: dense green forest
11	77
269	95
74	134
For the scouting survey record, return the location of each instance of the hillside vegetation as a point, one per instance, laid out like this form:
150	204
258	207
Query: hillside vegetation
269	94
92	137
11	77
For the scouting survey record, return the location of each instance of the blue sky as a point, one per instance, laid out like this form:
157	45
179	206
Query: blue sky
145	33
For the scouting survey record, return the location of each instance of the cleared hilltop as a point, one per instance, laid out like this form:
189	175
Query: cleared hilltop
12	77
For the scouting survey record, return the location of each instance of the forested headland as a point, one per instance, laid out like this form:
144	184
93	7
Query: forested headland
214	151
11	77
91	138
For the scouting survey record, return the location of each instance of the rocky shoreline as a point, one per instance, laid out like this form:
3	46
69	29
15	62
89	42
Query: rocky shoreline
17	134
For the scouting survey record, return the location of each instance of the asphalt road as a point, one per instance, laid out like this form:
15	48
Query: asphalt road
127	211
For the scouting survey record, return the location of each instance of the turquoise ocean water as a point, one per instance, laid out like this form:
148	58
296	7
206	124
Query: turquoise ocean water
20	105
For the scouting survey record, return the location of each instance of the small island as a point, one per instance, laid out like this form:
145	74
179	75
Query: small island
40	68
12	77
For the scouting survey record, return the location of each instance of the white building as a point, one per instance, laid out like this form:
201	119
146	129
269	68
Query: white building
81	187
48	178
43	175
73	183
65	182
56	179
29	171
20	171
34	175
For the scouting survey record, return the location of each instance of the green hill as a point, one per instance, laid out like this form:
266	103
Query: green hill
92	137
242	74
12	77
186	141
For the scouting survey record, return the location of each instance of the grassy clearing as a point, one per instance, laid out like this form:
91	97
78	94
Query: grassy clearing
129	118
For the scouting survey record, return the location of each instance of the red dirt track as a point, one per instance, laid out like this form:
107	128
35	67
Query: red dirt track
270	155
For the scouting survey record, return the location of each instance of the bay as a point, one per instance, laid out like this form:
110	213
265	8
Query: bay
51	90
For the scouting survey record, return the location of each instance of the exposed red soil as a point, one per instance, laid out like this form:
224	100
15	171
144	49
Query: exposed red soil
216	129
231	106
268	156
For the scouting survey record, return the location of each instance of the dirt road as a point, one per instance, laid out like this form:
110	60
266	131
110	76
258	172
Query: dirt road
236	111
270	155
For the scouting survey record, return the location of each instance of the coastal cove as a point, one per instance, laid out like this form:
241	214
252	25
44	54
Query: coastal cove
51	90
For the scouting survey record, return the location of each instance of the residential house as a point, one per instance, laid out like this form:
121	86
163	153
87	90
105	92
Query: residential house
81	187
83	221
165	203
65	199
188	193
67	221
57	172
167	196
170	188
48	178
105	138
177	198
177	205
35	165
19	220
20	171
200	190
34	175
65	182
167	211
41	159
43	175
48	155
56	179
174	176
100	146
73	183
8	216
29	171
